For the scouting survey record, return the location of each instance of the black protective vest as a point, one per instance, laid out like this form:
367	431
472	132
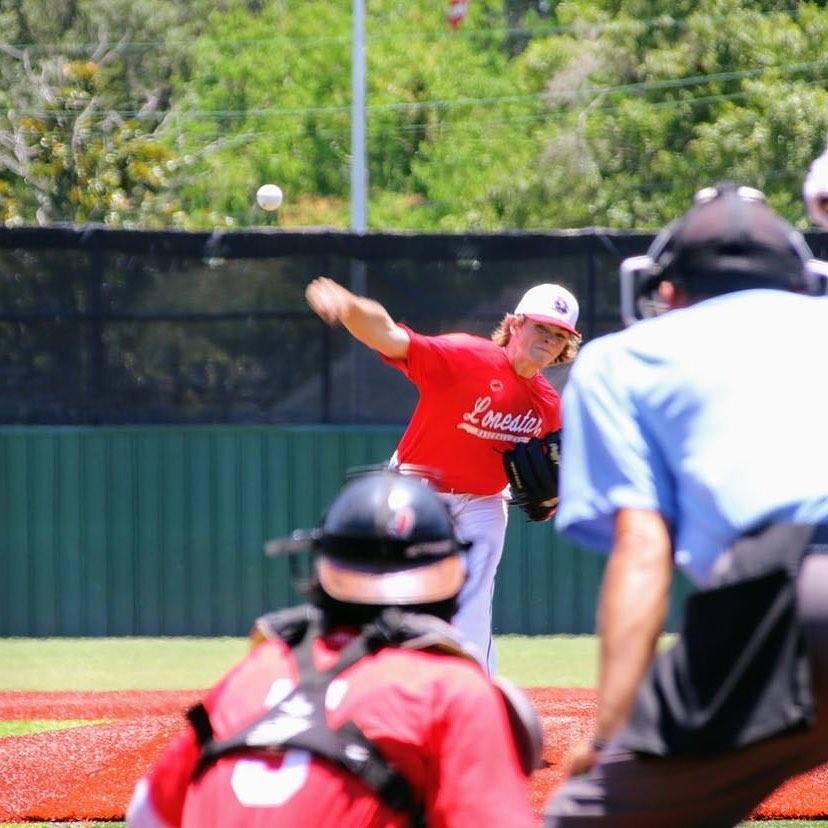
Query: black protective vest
298	720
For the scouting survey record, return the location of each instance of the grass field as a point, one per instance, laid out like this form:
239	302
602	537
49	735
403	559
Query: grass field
187	663
194	663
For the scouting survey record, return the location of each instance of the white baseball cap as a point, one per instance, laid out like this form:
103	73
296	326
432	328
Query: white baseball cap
551	304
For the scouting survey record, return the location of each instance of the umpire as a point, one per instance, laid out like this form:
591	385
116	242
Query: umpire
361	707
698	439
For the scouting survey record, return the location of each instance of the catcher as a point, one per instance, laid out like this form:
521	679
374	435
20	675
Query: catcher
362	706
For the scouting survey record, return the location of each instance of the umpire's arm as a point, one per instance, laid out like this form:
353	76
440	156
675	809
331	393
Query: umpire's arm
633	606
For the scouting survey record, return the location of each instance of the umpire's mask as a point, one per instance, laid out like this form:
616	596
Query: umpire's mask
730	239
387	538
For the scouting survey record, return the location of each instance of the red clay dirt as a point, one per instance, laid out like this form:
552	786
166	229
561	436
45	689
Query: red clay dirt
88	772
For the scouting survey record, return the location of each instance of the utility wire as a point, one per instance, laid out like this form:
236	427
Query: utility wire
563	96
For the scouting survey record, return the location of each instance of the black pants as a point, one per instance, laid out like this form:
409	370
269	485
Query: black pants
633	789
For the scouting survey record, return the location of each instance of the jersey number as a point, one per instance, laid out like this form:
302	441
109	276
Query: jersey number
255	784
258	786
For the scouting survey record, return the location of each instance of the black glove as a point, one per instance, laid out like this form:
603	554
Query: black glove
532	471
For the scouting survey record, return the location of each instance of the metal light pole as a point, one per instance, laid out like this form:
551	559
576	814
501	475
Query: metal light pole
359	185
359	171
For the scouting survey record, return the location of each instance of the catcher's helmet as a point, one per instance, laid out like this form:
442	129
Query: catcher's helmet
730	239
387	538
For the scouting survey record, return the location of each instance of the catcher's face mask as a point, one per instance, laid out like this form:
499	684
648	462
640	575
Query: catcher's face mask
729	240
387	538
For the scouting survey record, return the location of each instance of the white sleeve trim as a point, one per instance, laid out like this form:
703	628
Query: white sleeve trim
140	812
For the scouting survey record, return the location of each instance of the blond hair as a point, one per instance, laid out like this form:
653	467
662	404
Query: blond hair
503	333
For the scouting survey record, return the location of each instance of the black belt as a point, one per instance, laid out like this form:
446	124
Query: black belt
820	536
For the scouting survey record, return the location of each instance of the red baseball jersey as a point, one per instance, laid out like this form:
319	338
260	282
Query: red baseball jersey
436	717
472	408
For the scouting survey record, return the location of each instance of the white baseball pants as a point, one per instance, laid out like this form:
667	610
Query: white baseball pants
481	521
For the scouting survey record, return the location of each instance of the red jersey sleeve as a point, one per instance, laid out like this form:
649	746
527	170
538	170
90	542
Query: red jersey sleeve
480	780
171	776
236	698
437	359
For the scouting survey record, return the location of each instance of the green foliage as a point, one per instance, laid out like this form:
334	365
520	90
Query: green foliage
78	136
115	174
733	90
533	114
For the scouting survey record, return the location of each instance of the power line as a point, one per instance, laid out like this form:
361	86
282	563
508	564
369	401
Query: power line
540	117
578	93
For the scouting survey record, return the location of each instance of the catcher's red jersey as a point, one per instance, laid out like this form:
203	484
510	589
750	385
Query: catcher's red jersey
436	717
472	407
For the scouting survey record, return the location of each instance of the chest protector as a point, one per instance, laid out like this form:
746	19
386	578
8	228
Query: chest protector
298	720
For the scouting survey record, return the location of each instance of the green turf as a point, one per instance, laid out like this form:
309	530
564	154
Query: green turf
80	824
786	823
548	661
116	663
192	663
21	728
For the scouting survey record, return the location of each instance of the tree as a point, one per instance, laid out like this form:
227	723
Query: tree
83	111
669	103
533	114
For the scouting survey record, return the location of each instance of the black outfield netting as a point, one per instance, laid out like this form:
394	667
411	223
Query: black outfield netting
112	326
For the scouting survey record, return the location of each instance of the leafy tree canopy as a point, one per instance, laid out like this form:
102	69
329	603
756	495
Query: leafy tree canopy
533	114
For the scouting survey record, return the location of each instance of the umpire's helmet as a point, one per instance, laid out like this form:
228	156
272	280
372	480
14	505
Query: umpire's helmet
387	538
730	239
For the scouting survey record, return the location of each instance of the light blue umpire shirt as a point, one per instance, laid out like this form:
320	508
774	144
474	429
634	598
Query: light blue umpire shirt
715	415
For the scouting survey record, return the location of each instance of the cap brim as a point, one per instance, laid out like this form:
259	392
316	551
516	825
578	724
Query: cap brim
550	320
363	584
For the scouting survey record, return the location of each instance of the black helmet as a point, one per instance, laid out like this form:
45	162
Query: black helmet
730	239
387	538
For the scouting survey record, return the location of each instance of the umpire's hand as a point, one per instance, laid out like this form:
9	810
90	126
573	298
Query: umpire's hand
581	758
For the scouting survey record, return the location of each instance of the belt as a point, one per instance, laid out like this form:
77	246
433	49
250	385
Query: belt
459	493
820	537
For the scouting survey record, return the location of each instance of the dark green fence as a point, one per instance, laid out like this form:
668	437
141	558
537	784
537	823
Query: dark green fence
159	530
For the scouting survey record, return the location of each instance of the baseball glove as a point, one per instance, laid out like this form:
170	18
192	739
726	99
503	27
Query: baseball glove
532	471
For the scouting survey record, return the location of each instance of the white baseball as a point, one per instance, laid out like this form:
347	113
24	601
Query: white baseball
269	196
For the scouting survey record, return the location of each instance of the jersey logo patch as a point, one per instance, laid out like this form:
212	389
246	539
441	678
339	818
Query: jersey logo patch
491	424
